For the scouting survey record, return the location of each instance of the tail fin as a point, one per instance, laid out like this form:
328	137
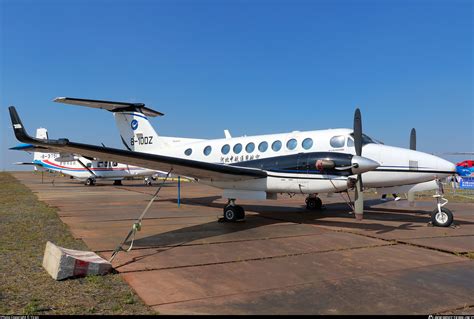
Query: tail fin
41	133
137	133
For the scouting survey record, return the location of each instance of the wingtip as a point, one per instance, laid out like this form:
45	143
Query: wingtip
59	99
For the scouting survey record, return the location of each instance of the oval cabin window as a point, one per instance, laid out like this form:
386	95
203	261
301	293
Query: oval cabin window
307	143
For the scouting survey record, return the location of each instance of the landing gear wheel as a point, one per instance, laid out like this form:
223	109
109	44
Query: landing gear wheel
233	213
118	182
230	213
147	182
442	219
314	203
90	182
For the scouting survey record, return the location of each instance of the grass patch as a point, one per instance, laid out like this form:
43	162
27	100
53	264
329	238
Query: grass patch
26	224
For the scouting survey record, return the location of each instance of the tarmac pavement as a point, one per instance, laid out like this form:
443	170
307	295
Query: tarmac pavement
282	259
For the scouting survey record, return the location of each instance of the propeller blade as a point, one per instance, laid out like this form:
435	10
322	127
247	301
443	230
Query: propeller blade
358	132
413	139
359	194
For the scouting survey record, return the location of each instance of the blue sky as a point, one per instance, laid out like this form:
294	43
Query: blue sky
253	67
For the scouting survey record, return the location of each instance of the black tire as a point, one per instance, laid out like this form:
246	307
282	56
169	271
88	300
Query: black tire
117	182
231	213
314	203
442	219
90	182
240	212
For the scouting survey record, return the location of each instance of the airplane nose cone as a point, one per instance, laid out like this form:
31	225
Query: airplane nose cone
363	164
445	166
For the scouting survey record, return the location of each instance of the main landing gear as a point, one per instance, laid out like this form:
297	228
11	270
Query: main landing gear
233	212
90	181
313	202
148	181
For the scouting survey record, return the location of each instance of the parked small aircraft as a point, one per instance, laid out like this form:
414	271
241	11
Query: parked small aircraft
465	168
260	167
88	170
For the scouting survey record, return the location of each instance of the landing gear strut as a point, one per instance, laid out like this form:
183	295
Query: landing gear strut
313	202
233	212
441	216
147	181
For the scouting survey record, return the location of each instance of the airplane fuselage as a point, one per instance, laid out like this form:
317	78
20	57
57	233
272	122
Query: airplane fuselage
106	170
398	166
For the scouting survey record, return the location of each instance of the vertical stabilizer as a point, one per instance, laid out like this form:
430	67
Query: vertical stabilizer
41	133
137	133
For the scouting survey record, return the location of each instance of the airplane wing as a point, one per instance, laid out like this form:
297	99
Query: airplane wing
178	166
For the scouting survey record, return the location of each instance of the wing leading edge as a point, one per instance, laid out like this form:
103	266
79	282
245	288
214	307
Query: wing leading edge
178	166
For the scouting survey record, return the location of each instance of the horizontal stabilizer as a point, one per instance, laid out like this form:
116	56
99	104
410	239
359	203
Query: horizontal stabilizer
110	105
29	148
29	163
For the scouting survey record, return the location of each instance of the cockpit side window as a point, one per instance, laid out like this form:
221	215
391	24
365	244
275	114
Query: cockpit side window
337	141
350	142
366	139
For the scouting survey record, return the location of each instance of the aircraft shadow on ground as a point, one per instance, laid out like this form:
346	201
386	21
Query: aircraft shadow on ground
377	219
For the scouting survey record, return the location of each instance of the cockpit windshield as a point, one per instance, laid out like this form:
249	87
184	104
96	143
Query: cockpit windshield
367	140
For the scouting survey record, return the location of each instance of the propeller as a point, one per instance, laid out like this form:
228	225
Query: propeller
413	139
359	194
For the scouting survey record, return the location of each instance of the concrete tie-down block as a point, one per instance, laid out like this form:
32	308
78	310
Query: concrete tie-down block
62	263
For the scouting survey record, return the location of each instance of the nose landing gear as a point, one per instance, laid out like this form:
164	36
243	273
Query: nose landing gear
147	181
441	216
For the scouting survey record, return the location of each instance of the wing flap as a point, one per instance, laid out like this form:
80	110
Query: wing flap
178	166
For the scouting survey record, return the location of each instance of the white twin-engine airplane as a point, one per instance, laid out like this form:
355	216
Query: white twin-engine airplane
260	167
88	170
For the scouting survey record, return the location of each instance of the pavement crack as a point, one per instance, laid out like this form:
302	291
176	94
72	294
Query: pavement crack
253	259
